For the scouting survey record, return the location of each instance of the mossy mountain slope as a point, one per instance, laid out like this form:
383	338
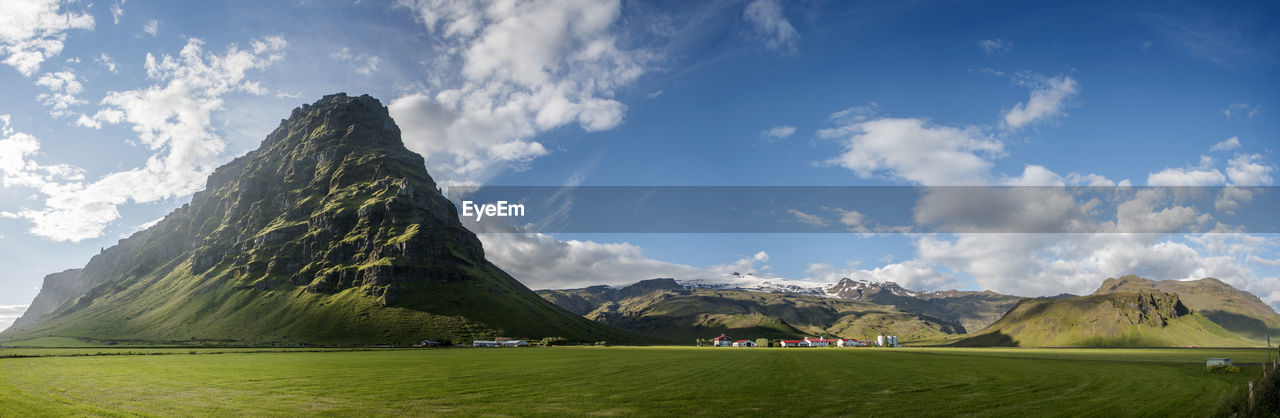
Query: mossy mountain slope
331	232
1123	319
664	310
1236	310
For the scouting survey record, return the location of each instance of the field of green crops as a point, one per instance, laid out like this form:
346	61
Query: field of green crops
623	381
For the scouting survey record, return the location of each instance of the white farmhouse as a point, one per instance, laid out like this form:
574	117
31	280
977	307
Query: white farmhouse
793	343
818	342
744	343
722	341
849	342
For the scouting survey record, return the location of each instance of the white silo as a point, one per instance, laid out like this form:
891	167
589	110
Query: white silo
880	340
893	340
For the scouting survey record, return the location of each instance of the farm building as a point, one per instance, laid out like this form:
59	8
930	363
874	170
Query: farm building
515	343
722	341
887	340
818	342
793	343
744	343
428	343
849	342
485	343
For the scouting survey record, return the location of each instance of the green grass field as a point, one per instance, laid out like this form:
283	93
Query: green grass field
628	381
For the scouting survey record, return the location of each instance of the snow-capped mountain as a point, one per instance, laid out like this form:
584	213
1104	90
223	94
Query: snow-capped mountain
862	289
754	283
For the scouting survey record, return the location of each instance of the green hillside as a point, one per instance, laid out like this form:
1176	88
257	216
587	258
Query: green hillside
666	311
1125	319
1236	310
332	232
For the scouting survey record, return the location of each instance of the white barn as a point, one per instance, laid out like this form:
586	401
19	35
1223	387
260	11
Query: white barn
849	342
818	342
485	343
793	343
744	343
722	341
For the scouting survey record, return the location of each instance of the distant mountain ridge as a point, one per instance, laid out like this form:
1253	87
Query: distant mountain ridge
331	232
678	311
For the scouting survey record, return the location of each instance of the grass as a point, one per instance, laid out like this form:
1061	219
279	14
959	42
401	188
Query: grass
630	381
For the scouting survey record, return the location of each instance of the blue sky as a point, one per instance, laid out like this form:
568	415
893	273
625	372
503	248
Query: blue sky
116	110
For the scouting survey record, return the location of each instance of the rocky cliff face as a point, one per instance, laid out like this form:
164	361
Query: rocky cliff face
57	287
331	213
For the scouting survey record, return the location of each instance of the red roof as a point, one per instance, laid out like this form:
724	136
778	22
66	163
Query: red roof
793	341
722	337
742	341
819	341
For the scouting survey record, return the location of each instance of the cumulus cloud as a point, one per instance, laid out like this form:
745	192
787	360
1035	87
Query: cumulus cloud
915	150
32	31
10	313
1248	170
753	264
779	132
172	118
524	68
767	20
1048	100
1203	175
544	262
995	46
63	87
1242	111
915	275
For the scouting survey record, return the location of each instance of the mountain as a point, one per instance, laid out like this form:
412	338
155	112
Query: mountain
330	232
1114	319
972	310
679	312
1236	310
57	287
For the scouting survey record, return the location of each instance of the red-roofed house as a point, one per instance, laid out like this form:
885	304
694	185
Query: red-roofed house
793	343
722	341
744	343
849	342
819	342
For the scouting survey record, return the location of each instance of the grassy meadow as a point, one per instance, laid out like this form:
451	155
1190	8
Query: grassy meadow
625	381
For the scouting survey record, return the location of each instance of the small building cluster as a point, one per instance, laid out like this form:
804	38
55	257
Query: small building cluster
881	341
500	342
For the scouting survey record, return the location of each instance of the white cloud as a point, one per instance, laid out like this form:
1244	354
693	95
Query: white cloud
106	62
10	313
1245	170
766	19
524	68
364	64
152	27
654	95
544	262
807	218
995	46
32	31
779	132
1242	111
1093	180
63	87
1048	99
117	10
746	265
172	118
1186	177
1226	144
915	150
